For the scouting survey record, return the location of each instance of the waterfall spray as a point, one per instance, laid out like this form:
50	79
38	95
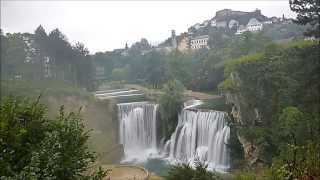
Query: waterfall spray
138	130
200	135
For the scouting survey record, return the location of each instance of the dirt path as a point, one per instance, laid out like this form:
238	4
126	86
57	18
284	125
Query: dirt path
124	172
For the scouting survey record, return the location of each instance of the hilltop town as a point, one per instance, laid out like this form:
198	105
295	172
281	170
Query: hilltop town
198	36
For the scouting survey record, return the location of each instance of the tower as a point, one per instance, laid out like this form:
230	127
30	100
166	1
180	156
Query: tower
173	39
258	11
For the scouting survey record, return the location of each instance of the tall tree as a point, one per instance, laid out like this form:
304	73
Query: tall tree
82	66
155	69
81	49
171	102
41	38
308	13
3	52
41	46
60	52
15	58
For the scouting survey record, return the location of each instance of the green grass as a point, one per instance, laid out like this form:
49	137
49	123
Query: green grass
257	174
35	88
217	104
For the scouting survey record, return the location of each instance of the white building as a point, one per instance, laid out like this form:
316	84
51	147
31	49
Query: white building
199	42
241	29
254	25
267	22
47	68
205	23
233	23
213	23
196	26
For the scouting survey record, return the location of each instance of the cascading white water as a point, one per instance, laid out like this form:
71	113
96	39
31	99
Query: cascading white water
200	135
138	130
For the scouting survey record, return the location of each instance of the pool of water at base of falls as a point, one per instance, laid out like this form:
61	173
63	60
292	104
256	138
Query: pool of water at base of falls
160	164
157	163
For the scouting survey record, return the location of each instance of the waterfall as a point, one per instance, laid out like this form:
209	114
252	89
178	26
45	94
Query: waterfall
138	130
200	135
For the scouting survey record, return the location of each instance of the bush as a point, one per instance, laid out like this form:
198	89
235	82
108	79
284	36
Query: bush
217	104
34	147
297	162
186	172
228	85
258	174
170	104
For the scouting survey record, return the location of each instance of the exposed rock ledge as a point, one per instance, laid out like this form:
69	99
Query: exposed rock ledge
244	117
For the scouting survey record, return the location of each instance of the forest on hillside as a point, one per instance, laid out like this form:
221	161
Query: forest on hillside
201	70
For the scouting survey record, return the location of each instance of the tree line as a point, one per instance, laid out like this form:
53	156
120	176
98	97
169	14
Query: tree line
41	56
200	70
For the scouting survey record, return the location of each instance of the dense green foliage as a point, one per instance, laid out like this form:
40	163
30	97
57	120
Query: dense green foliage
218	104
200	70
35	147
283	32
186	172
170	104
308	14
282	82
32	89
42	56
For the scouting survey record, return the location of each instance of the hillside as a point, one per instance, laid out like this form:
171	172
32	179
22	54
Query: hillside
198	69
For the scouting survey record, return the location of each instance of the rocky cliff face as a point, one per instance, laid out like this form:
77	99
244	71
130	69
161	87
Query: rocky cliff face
243	117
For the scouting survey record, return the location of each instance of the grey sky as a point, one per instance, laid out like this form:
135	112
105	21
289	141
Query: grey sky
106	25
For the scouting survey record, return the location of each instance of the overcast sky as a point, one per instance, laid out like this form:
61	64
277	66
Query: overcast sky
107	25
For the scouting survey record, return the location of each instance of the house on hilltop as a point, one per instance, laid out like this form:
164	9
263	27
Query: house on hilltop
230	19
199	42
183	42
254	25
241	29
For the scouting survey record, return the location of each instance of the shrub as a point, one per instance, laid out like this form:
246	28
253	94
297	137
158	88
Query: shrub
297	162
34	147
186	172
228	85
170	104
